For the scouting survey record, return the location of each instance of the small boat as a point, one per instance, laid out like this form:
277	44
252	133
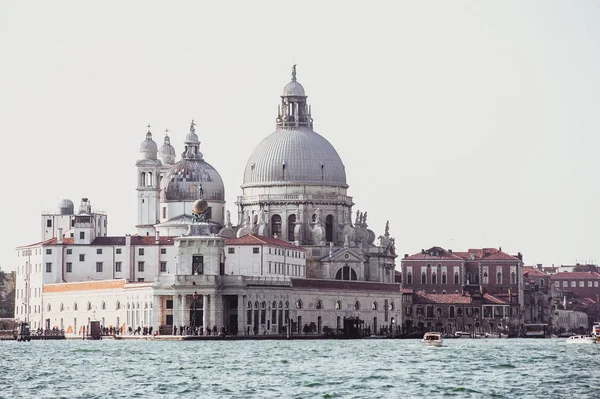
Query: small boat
432	339
462	334
581	339
596	331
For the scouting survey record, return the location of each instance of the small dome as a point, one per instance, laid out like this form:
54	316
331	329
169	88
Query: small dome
148	148
181	182
167	152
65	206
293	89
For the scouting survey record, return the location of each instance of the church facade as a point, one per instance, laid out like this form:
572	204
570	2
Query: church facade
294	263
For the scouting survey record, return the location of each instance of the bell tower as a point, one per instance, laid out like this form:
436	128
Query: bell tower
148	186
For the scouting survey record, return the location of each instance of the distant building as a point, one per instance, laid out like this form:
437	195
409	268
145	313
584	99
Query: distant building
579	284
480	290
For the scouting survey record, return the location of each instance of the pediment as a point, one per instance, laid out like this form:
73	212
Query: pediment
345	255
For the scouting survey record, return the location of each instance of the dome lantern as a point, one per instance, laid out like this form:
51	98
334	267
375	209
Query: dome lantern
293	111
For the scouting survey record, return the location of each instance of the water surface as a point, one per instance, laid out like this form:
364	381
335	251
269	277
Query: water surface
496	368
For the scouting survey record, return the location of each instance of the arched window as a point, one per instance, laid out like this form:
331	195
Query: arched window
291	226
469	278
499	278
329	228
429	312
149	179
409	278
128	306
49	307
438	311
513	279
434	277
274	305
145	305
444	278
541	280
455	277
276	226
346	273
356	305
143	179
423	278
338	305
256	305
103	305
485	278
374	306
299	304
451	312
319	304
263	305
249	306
392	306
287	304
476	277
89	306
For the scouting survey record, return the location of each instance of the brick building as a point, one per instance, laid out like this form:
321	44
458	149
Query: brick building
479	291
578	284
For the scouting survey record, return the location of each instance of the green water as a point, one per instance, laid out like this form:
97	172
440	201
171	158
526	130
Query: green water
483	368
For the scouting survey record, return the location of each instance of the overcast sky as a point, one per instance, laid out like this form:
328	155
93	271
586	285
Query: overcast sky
465	124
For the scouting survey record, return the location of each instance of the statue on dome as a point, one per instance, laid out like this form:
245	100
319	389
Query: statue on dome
357	220
200	191
318	231
387	228
192	127
294	72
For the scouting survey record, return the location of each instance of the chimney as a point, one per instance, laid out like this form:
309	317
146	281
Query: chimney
157	239
422	251
59	237
405	256
520	256
449	250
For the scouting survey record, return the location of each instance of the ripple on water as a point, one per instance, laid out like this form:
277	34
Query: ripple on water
297	369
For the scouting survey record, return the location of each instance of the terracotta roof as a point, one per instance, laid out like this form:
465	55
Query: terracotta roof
576	276
494	299
83	286
344	285
47	242
422	297
442	254
533	271
587	301
251	239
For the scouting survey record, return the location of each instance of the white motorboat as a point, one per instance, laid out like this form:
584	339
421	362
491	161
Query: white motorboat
432	339
581	339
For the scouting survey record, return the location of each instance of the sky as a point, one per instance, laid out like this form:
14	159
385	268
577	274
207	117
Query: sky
466	124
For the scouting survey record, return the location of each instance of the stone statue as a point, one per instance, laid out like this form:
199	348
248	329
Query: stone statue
318	231
365	219
192	127
387	228
200	191
294	72
298	227
346	241
357	218
228	220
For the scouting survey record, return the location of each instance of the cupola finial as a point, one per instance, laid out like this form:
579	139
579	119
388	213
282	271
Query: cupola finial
294	73
193	127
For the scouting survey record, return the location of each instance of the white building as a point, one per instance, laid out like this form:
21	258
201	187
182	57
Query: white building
295	262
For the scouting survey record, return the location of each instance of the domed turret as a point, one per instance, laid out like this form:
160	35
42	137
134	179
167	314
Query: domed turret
148	149
182	181
66	207
167	152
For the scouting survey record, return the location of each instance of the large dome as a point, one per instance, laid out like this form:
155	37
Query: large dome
308	158
181	181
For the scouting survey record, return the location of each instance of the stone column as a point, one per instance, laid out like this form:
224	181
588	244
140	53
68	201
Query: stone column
176	313
204	312
213	311
241	315
183	304
155	312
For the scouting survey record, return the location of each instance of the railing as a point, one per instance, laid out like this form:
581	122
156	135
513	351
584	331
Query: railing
269	281
293	197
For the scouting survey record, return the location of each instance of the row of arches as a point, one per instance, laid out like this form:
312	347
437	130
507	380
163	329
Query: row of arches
147	179
102	306
470	278
318	305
